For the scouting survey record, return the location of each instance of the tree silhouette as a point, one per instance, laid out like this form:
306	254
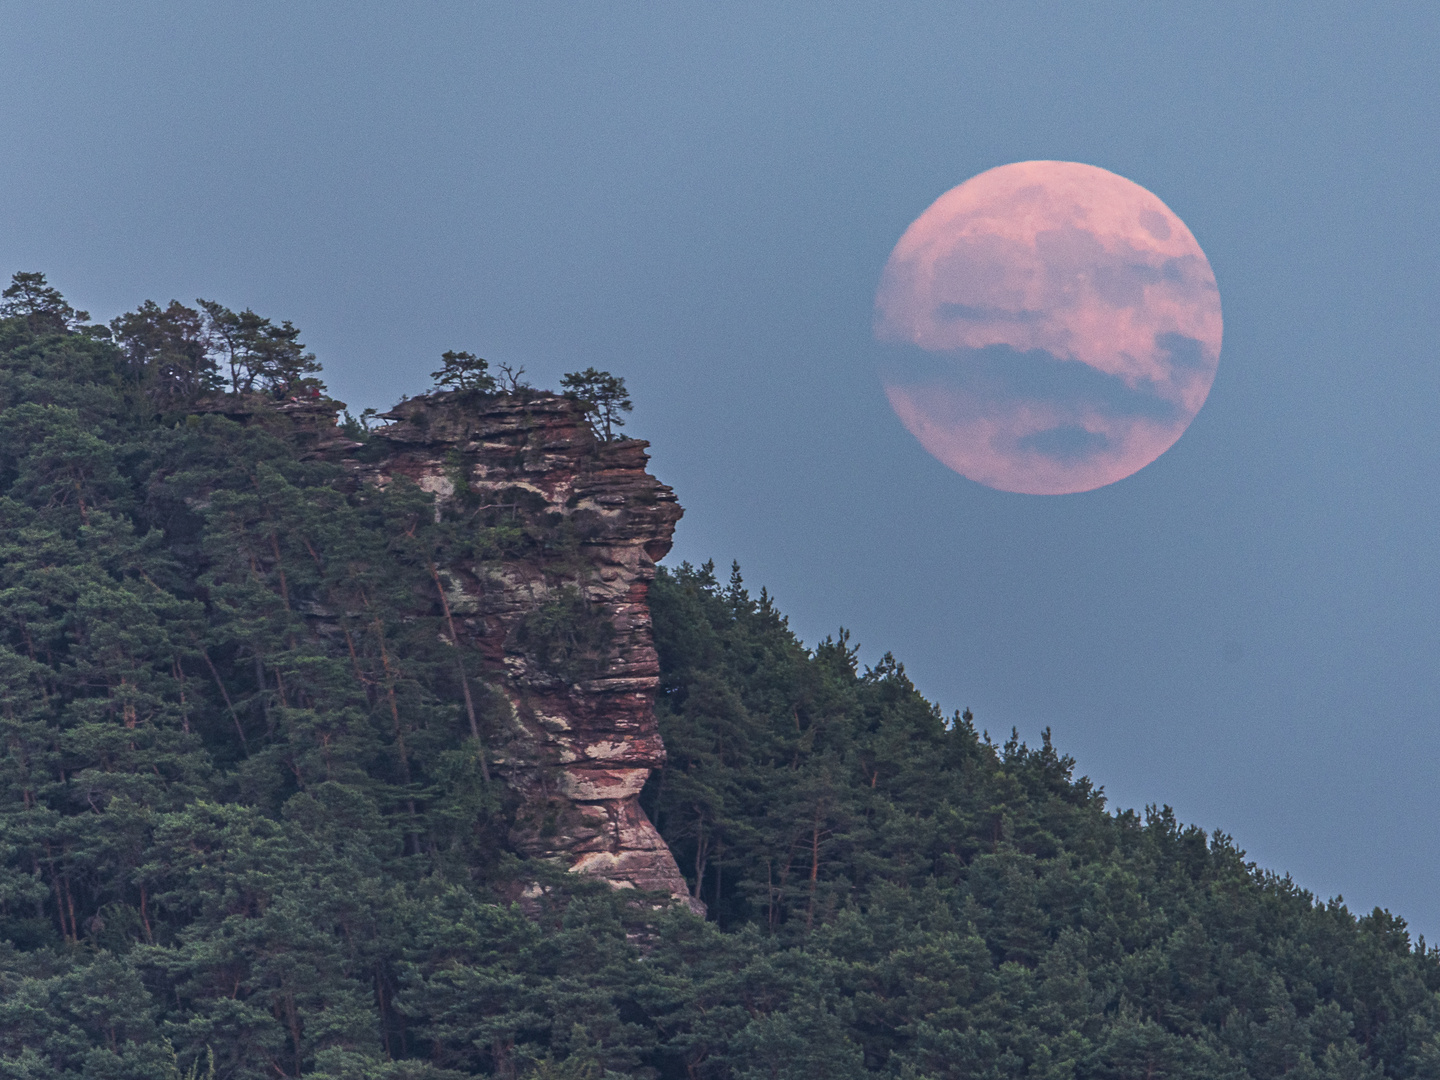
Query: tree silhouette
464	371
259	353
604	397
44	310
168	350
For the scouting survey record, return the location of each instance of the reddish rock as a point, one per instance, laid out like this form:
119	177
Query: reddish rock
584	523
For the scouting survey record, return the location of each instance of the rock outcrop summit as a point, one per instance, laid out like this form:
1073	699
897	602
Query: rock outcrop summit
560	620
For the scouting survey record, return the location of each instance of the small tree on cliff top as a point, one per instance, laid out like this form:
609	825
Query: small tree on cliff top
464	371
604	397
259	354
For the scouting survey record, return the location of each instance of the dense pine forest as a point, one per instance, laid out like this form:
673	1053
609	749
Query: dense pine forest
231	846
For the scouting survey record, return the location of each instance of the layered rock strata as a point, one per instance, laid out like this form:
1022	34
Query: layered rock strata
568	530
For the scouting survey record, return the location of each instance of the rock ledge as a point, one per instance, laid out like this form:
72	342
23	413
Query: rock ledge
586	524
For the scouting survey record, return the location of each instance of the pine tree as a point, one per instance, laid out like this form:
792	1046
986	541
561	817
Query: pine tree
168	350
464	371
603	396
260	355
30	298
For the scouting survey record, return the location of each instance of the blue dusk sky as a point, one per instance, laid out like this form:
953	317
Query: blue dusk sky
702	197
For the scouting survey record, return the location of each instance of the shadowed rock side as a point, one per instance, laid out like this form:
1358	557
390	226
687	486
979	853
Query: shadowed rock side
561	618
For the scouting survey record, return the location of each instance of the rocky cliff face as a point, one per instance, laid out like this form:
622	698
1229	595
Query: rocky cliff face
571	528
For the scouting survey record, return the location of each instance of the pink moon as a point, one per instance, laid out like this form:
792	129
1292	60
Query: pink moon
1049	327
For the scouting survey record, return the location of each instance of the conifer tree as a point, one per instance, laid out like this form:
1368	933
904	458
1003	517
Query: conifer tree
464	371
260	355
603	396
246	816
30	298
168	350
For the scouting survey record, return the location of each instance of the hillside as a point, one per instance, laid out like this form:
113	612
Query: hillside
306	726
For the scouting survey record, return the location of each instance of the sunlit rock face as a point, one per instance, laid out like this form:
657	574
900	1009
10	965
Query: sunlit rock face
580	734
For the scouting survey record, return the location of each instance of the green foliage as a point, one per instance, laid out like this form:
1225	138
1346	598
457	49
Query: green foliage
604	397
192	1073
464	371
565	636
259	355
978	910
358	427
168	350
248	830
39	305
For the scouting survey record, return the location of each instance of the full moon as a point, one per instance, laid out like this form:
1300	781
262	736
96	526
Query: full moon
1049	328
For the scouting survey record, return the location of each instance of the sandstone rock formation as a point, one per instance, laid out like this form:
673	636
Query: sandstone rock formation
557	608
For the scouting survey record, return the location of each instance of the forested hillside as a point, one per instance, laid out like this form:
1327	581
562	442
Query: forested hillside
234	845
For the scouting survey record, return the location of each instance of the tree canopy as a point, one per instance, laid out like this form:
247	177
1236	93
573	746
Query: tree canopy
246	825
604	396
463	371
32	299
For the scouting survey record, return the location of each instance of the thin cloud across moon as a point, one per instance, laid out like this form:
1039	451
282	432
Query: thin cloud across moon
1050	327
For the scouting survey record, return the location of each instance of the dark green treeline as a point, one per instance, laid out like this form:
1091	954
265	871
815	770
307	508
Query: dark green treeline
245	826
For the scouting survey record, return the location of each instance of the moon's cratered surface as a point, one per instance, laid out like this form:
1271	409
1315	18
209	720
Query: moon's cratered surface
1050	327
